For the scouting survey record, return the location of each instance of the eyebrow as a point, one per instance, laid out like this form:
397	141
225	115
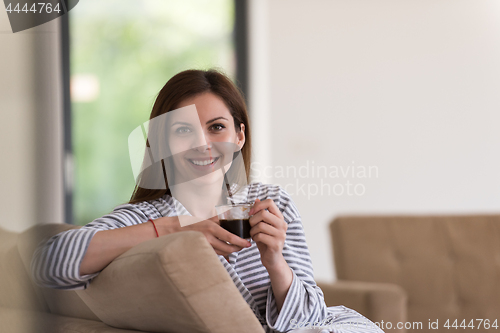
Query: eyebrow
181	123
210	121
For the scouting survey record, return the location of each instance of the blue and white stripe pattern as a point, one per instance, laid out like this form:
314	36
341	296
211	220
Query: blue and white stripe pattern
56	265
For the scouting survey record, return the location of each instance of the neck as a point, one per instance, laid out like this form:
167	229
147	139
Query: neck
200	201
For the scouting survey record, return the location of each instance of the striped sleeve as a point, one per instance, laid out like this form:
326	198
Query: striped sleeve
304	300
56	263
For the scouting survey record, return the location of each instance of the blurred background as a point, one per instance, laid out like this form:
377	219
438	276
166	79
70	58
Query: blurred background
118	65
357	107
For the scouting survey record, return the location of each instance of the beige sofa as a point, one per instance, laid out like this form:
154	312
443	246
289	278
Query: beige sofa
448	267
173	283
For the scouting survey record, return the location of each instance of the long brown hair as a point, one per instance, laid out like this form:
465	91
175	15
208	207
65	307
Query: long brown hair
190	83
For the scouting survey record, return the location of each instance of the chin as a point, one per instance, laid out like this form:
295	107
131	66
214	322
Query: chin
212	178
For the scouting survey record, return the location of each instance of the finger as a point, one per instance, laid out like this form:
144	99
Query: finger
264	239
222	253
231	238
267	229
227	250
271	206
267	217
223	247
266	204
255	207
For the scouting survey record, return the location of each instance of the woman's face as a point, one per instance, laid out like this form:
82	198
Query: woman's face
203	140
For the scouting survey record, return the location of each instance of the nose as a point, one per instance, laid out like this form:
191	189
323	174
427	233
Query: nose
204	148
201	143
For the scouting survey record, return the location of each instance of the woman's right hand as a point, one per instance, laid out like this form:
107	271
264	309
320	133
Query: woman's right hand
223	242
106	245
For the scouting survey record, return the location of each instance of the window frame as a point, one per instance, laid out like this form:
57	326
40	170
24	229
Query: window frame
240	39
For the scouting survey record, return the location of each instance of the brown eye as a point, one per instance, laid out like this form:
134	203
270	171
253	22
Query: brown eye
217	127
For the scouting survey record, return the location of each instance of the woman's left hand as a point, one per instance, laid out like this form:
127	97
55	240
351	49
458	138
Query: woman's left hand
268	231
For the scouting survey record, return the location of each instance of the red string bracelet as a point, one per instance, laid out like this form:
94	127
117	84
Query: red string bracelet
154	225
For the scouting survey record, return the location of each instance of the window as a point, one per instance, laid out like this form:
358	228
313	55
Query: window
122	52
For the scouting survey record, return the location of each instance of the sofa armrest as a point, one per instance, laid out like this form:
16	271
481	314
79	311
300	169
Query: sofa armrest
376	301
174	283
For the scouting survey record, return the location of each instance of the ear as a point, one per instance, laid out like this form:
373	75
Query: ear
240	136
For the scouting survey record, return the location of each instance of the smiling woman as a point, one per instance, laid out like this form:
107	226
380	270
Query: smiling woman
198	133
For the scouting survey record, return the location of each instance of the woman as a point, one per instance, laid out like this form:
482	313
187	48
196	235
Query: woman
197	126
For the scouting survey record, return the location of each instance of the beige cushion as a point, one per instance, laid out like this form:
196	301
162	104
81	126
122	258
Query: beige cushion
376	301
23	321
174	283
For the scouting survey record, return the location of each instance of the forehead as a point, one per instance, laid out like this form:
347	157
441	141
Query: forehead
208	106
184	114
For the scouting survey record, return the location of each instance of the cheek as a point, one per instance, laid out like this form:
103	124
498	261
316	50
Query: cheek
178	145
229	136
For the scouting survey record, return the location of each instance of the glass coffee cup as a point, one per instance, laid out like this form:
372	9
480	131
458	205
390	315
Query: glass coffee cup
235	219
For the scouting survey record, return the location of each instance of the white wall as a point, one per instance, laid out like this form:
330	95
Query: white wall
409	87
30	126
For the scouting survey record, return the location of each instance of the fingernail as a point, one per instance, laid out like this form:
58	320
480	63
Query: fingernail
249	244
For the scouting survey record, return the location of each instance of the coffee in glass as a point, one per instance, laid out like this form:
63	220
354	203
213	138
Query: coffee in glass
235	219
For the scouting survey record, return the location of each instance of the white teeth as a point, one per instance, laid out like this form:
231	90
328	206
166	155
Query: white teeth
202	163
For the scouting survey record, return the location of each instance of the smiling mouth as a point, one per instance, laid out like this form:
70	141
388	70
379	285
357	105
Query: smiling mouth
204	162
